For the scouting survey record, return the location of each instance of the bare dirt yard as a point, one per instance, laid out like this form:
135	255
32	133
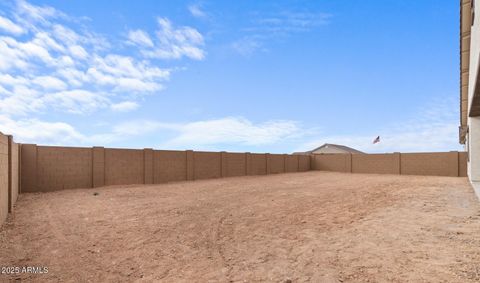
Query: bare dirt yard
313	226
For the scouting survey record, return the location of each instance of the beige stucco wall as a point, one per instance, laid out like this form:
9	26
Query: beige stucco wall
473	137
473	148
474	52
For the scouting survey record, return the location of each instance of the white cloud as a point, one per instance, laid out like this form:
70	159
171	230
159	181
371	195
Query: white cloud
49	83
77	101
124	106
36	14
136	85
435	128
288	21
196	11
140	37
140	127
10	27
192	135
9	80
228	130
65	34
42	132
171	42
124	74
50	61
78	52
265	28
20	101
246	46
232	130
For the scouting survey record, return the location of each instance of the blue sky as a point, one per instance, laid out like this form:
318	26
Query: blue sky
259	76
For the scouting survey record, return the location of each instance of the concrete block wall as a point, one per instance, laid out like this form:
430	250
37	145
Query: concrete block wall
3	178
28	175
462	164
276	163
304	163
9	175
234	164
124	166
440	163
375	163
452	164
14	172
60	168
332	162
257	164
169	166
207	165
291	163
47	168
98	167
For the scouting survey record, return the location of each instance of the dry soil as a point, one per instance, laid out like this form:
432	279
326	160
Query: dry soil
314	226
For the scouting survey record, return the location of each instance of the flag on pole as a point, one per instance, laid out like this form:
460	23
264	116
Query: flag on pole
376	140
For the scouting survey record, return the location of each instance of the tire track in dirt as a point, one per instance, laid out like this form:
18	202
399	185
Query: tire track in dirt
54	225
217	243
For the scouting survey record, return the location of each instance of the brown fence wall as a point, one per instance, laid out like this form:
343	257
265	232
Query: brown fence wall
291	163
14	169
440	163
9	175
276	163
376	163
207	165
3	178
304	162
433	163
48	168
234	164
124	166
332	162
257	164
169	166
462	164
61	168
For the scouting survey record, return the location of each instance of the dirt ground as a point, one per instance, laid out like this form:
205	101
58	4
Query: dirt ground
313	226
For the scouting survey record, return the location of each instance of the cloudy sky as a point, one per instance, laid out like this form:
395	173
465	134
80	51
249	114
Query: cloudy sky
258	76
